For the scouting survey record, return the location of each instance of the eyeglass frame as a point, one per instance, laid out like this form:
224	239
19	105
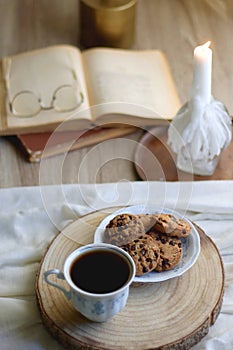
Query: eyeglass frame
38	98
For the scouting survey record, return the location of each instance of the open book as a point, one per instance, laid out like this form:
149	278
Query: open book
60	85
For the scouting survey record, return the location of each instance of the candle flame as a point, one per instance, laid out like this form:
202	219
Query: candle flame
207	44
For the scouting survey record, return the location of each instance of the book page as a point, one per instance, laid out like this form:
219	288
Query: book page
123	81
41	75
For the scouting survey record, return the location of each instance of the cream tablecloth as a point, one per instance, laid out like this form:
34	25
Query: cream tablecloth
31	216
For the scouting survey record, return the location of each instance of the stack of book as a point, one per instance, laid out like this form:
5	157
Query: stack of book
59	98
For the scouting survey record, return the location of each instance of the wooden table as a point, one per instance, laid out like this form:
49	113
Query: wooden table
175	27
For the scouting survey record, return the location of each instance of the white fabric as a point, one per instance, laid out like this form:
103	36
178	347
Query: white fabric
31	216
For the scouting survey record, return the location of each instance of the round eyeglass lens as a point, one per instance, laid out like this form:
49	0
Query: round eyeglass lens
25	104
66	99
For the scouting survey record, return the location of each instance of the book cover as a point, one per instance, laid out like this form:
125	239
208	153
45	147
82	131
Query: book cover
43	145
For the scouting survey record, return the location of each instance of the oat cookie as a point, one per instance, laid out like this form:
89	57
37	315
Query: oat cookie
170	251
123	229
171	225
145	253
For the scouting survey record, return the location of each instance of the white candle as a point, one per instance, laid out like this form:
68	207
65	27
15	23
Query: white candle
202	70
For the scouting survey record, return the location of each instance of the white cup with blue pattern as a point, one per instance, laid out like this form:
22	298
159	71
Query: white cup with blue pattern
98	276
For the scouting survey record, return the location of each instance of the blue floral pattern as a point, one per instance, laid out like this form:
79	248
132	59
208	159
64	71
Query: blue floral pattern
98	308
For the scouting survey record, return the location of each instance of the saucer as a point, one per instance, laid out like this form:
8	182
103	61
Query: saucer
155	161
190	244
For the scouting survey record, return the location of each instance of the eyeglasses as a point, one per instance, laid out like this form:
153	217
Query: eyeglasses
65	98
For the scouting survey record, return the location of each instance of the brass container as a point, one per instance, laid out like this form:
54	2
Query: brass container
107	23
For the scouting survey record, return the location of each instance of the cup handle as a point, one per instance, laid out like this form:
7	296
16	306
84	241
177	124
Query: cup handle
60	275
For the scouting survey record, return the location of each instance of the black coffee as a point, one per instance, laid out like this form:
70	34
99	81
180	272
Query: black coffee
100	271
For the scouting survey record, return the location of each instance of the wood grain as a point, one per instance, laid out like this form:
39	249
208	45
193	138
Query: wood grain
175	27
173	314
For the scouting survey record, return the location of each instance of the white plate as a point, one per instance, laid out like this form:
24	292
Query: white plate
191	244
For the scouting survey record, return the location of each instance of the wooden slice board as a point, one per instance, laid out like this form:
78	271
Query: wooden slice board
154	160
174	314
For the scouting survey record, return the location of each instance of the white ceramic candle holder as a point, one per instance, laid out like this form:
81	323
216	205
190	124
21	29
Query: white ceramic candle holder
198	134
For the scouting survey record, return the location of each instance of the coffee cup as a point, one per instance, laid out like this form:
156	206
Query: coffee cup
98	277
